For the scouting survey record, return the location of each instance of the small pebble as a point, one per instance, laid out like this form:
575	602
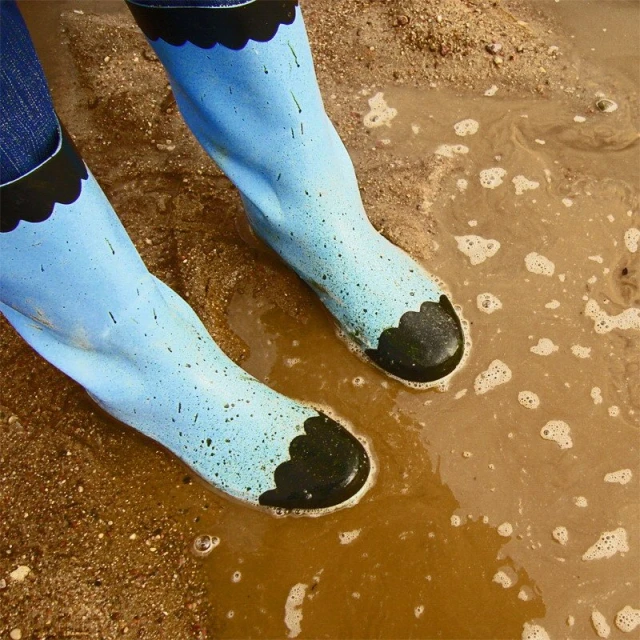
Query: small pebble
494	47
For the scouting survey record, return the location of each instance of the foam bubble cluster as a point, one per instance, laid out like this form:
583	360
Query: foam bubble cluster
381	114
528	399
628	619
580	352
492	178
488	303
347	537
553	304
466	127
418	611
580	501
534	632
498	373
600	625
632	239
293	609
561	535
503	579
559	432
491	91
609	543
522	184
505	529
545	347
596	395
623	476
477	248
604	323
450	150
538	264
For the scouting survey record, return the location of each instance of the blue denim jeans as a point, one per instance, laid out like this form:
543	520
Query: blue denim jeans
28	123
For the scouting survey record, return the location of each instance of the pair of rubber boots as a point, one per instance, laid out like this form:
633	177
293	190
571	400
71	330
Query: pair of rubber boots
74	287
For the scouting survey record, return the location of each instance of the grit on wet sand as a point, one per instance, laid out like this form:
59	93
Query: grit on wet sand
497	142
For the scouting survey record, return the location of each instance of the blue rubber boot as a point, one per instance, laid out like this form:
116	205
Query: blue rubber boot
73	285
244	81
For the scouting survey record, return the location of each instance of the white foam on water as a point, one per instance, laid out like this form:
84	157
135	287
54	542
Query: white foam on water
505	529
579	119
462	184
580	352
460	394
596	395
561	535
553	304
570	621
628	619
534	632
598	259
496	374
381	114
622	476
488	303
415	128
604	323
503	579
525	594
451	150
466	127
523	184
529	399
609	543
600	625
491	91
236	577
567	202
492	178
347	537
293	609
477	248
580	501
456	521
613	411
418	611
538	264
559	432
539	141
632	239
545	347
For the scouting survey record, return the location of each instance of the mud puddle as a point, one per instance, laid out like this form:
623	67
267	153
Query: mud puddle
536	244
494	497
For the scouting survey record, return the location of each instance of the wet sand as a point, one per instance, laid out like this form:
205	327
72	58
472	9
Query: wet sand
493	493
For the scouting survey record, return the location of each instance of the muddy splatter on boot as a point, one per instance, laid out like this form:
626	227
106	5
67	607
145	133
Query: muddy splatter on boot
74	287
244	81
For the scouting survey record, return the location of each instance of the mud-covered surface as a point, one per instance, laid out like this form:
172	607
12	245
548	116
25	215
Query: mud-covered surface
492	496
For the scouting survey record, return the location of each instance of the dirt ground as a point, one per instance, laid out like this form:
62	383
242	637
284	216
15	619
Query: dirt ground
477	527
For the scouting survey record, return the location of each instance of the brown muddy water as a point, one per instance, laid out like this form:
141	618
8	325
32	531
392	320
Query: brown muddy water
506	505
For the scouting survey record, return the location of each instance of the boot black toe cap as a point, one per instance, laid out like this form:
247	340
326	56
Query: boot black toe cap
328	465
426	346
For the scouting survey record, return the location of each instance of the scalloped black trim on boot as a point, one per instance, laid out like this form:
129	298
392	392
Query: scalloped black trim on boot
427	345
33	197
328	465
232	27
